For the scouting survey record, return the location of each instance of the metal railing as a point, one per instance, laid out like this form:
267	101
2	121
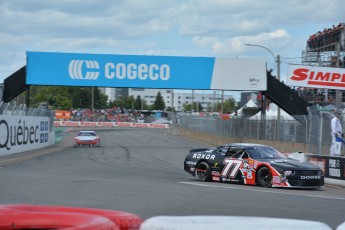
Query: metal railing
315	131
23	110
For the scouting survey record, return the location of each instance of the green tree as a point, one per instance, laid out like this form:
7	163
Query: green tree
138	103
124	102
187	107
82	97
159	103
230	105
58	97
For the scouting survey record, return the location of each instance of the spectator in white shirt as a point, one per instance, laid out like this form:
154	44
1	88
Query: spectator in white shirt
337	131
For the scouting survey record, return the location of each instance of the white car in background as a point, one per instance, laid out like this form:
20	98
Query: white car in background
89	138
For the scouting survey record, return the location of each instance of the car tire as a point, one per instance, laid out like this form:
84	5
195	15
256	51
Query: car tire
203	171
264	177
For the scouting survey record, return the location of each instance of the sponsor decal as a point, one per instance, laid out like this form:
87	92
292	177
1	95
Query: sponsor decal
321	77
70	123
75	70
215	178
254	81
334	167
90	70
215	173
203	156
249	174
133	71
277	180
22	132
190	163
310	177
231	168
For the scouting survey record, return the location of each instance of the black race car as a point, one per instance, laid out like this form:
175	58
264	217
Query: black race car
253	164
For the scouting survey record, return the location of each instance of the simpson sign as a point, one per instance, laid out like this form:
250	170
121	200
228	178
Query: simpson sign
316	77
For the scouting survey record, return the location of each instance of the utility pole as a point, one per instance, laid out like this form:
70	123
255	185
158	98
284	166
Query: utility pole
277	61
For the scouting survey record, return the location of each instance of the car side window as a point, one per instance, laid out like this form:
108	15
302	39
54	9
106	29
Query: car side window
244	155
223	149
234	152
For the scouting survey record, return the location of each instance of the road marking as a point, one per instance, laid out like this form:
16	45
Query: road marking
257	190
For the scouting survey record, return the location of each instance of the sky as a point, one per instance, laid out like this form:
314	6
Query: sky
195	28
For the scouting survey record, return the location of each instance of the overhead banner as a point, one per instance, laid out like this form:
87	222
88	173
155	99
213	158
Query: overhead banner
316	77
135	71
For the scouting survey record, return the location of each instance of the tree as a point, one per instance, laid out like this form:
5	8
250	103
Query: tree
138	103
230	105
159	103
58	97
187	107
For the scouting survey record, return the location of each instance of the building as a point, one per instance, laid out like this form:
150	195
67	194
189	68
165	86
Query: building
172	98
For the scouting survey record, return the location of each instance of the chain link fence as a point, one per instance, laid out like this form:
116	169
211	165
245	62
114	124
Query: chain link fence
313	129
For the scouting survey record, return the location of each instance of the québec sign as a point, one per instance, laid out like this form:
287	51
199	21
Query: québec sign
316	77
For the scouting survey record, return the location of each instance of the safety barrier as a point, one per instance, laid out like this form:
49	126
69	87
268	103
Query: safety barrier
228	222
42	221
122	220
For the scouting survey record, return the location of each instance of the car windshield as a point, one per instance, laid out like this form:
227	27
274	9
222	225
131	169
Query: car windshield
87	134
264	152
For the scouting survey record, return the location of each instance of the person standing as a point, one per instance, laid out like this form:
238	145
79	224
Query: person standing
337	131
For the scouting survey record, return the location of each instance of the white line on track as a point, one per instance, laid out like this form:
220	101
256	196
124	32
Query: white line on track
257	190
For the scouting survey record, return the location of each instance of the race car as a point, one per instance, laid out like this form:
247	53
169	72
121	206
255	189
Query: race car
252	164
89	138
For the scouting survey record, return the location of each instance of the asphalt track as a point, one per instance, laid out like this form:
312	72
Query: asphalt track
141	171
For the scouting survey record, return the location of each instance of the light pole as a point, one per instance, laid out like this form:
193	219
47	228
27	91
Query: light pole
277	61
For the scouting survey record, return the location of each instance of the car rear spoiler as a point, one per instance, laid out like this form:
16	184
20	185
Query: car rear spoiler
197	150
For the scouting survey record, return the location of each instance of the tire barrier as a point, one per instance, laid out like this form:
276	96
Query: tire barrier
53	220
228	222
124	220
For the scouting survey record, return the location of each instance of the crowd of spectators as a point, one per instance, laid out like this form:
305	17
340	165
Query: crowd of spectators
317	95
326	37
110	115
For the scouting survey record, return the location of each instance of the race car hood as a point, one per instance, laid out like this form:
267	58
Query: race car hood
290	164
86	138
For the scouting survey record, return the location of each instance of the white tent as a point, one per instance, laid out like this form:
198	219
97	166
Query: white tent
249	104
272	114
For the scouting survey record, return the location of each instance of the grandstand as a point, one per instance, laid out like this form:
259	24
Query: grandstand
326	48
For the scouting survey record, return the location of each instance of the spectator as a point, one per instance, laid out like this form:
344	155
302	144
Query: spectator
336	132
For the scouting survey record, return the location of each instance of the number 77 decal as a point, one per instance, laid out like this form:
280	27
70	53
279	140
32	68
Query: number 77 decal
231	167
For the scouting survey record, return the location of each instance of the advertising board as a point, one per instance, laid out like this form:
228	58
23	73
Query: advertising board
142	71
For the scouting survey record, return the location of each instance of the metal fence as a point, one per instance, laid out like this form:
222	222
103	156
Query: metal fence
314	129
23	110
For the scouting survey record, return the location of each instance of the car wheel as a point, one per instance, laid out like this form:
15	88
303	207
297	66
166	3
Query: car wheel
203	171
264	177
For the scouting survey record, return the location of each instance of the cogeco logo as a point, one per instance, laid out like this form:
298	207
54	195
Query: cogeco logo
75	69
119	71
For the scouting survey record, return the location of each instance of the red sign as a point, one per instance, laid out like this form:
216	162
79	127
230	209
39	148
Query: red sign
316	77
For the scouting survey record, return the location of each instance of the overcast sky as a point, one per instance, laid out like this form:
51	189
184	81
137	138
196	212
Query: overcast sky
197	28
